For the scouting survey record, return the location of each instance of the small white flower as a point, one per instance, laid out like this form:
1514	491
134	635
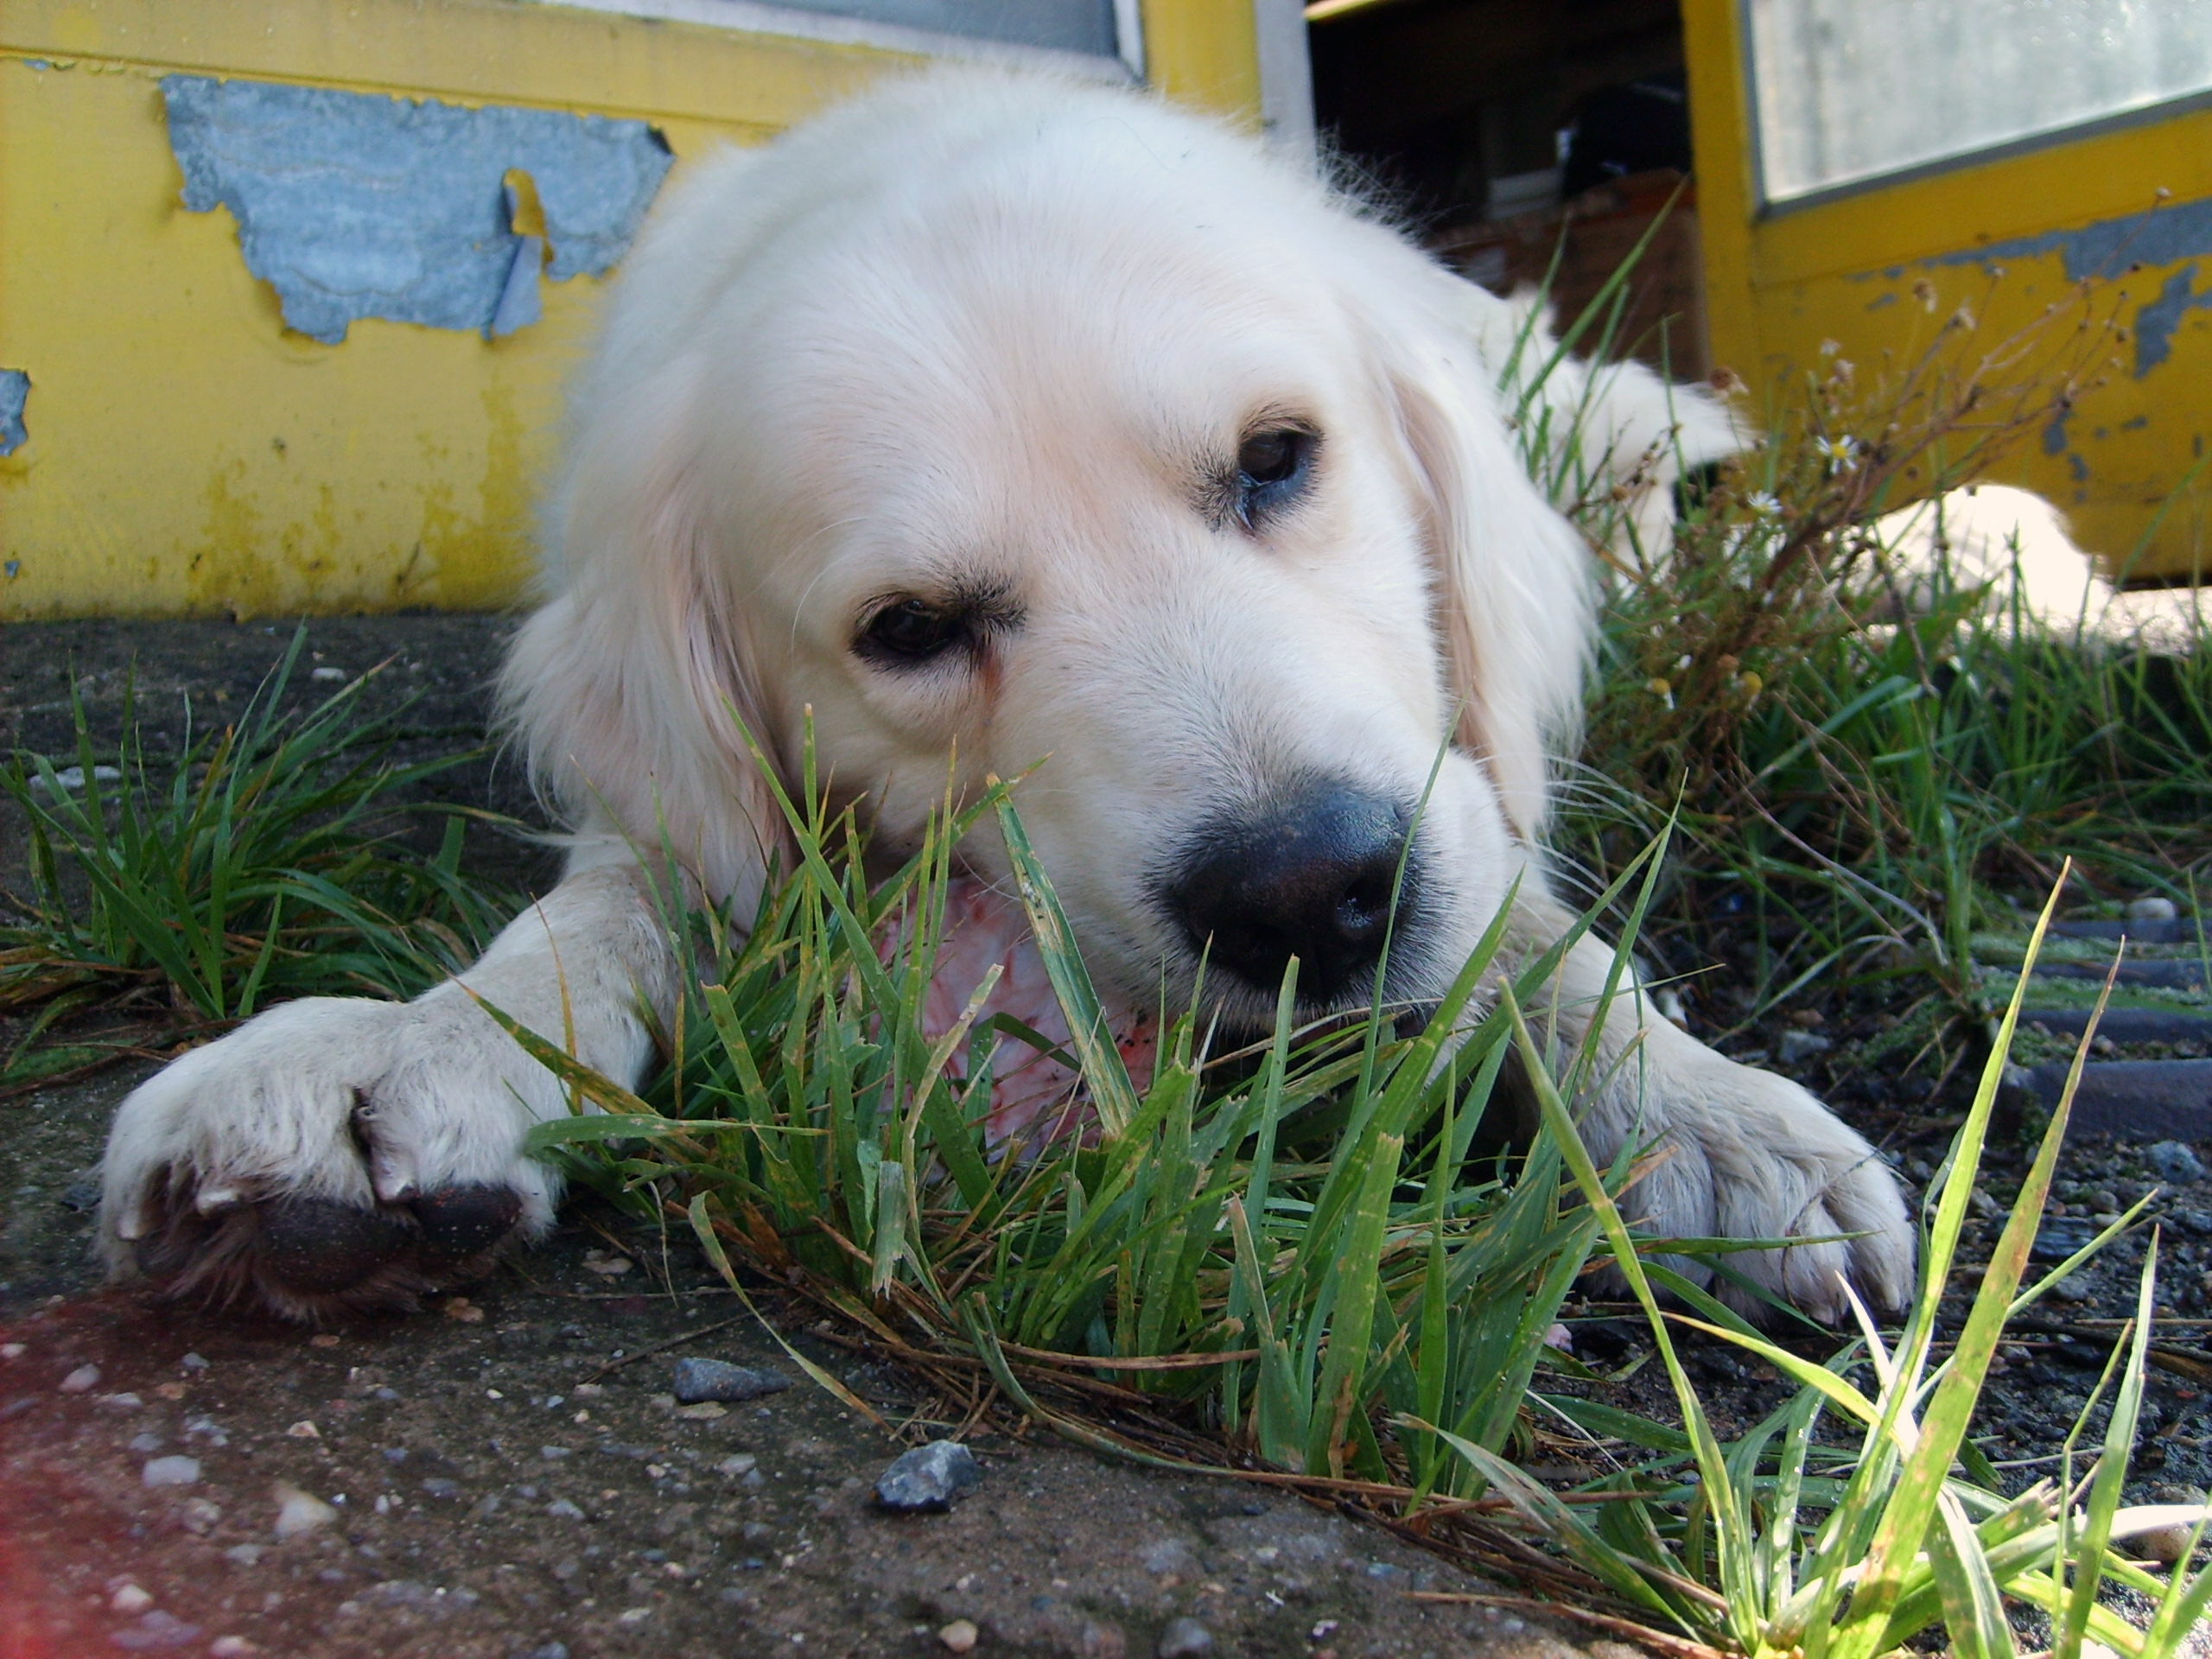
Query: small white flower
1842	454
1764	502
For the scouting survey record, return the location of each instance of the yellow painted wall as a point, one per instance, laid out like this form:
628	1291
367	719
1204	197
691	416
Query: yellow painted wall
1779	283
189	455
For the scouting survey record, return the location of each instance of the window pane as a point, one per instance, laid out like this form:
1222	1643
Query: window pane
1852	89
1070	25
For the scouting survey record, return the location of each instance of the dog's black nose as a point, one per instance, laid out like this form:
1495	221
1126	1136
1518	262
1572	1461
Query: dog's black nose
1309	875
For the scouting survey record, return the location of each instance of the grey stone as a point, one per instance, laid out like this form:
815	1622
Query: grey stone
929	1477
170	1471
1796	1047
2174	1162
2135	1100
2060	1236
2140	930
154	1631
1185	1638
2154	907
700	1380
2125	1025
2159	976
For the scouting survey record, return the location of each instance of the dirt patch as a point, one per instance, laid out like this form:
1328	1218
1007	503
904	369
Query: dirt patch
485	1496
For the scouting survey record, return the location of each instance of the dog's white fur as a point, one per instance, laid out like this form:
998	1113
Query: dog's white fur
974	328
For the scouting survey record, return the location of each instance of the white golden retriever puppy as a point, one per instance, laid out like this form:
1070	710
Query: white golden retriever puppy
998	420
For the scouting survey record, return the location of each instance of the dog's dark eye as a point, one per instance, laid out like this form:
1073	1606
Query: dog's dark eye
1271	468
911	631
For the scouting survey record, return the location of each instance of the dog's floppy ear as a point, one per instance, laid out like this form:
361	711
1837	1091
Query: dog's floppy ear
1514	583
630	691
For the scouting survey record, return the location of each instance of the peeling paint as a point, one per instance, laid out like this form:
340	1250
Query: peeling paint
15	393
2157	318
351	206
2164	236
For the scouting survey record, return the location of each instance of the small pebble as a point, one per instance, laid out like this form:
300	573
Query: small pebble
1795	1047
561	1508
2153	908
1185	1638
699	1381
929	1477
170	1471
197	1363
549	1650
230	1646
130	1601
12	1351
304	1430
2166	1545
2174	1162
440	1486
155	1631
741	1463
73	777
83	1380
245	1555
299	1512
959	1636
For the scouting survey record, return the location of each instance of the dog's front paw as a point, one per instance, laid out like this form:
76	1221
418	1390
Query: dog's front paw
332	1156
1745	1154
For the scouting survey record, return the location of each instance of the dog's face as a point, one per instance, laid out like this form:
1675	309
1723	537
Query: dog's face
1035	496
1102	446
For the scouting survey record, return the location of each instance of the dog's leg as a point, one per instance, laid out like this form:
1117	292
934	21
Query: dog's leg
337	1153
1741	1152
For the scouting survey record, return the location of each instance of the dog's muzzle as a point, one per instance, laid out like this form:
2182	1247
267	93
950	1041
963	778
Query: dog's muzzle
1309	872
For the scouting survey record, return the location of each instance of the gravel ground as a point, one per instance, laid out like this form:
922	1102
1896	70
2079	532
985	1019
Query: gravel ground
490	1480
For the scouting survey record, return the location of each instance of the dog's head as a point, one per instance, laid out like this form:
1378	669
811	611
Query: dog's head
993	422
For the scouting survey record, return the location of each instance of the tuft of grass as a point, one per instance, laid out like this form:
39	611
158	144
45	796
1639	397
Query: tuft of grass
1850	1554
1865	765
265	861
1278	1246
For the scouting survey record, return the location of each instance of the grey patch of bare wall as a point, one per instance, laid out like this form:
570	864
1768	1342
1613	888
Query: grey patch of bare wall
352	205
14	393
